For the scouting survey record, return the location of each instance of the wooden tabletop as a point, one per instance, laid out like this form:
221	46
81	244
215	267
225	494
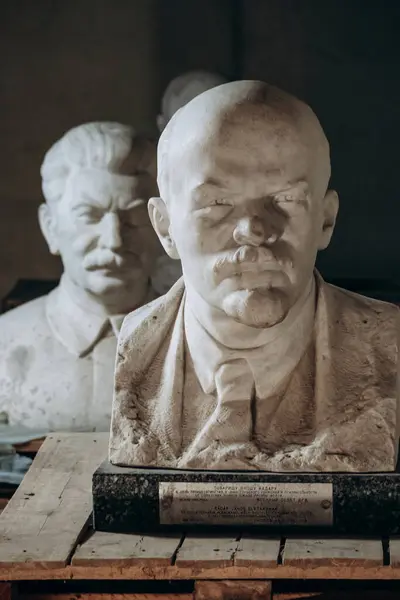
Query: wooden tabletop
45	533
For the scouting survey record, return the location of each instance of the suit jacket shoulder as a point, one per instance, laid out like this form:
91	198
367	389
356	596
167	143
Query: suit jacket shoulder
363	334
24	324
360	315
150	322
362	304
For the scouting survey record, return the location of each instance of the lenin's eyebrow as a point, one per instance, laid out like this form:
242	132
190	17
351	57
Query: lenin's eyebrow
209	184
209	188
297	184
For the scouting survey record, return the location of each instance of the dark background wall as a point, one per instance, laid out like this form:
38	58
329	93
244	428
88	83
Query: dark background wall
64	63
342	57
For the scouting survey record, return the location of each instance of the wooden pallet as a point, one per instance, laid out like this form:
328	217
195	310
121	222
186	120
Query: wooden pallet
46	538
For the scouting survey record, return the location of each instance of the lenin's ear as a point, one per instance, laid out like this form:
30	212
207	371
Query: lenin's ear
330	211
47	224
159	218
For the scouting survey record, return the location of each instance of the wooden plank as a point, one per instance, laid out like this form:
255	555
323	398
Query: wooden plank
228	590
335	552
42	522
108	571
198	551
394	549
126	549
257	551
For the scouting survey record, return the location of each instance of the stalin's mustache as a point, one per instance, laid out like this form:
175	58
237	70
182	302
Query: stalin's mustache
249	258
106	259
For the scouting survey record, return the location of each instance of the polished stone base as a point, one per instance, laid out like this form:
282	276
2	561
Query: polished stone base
145	500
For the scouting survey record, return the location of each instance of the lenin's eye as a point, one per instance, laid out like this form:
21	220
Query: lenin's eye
284	199
289	203
216	211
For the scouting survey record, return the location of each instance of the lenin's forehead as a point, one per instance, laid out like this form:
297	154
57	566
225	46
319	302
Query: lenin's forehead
245	127
244	132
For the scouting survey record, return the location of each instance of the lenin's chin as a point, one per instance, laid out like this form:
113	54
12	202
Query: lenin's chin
256	308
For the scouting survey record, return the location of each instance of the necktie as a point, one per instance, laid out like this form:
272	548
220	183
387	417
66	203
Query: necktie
232	420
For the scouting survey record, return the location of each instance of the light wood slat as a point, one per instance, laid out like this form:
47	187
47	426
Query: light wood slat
394	547
316	552
232	589
207	551
43	521
258	551
126	549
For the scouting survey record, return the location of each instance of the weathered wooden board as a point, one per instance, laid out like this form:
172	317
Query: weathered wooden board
43	521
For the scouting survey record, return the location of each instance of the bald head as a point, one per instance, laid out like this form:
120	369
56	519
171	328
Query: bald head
244	117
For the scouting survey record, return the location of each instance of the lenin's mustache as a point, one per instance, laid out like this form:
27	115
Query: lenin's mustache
249	258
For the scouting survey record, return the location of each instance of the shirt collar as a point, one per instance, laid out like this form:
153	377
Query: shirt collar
80	326
270	362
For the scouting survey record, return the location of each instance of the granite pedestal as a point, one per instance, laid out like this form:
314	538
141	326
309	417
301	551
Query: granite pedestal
142	499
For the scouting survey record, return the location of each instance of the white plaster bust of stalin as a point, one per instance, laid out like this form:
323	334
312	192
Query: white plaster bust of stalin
57	352
251	361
